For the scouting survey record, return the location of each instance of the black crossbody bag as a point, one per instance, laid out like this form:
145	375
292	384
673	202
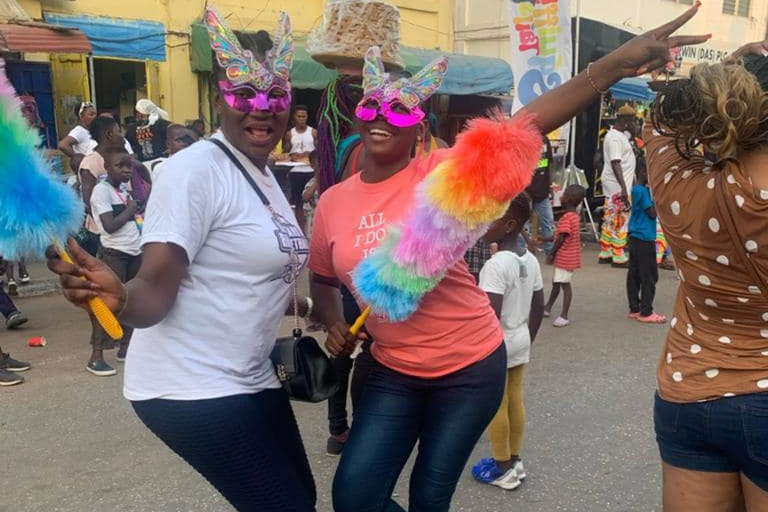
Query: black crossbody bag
301	365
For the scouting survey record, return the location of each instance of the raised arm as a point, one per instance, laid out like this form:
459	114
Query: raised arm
643	54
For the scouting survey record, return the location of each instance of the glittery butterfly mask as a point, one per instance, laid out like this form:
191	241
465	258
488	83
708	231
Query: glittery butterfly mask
251	85
397	102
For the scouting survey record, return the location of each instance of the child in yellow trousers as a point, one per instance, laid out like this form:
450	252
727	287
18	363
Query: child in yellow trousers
512	280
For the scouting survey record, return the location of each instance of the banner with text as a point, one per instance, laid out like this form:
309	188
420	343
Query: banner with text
541	49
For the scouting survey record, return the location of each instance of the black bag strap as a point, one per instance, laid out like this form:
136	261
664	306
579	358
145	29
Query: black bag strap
244	172
726	210
297	331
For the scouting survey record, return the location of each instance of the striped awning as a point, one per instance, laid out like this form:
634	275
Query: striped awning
41	37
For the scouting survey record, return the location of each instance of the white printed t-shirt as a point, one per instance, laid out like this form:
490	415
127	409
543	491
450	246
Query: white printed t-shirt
515	278
105	198
218	336
616	146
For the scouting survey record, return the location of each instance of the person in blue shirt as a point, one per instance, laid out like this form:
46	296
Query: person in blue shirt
643	270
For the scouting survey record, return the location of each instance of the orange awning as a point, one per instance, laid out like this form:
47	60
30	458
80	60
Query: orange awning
38	37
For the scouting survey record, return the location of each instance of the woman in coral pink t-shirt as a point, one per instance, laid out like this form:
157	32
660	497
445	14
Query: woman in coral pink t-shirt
439	375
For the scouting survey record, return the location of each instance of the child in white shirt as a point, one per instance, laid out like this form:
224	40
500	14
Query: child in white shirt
116	215
512	280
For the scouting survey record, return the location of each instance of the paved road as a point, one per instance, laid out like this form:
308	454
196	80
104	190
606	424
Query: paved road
71	443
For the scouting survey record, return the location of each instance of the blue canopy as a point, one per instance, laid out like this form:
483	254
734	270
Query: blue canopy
116	37
467	74
633	89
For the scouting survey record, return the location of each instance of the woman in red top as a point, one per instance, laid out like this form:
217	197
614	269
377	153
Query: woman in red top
440	373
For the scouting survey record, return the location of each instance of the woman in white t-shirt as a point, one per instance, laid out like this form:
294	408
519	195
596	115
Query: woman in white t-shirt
78	141
215	282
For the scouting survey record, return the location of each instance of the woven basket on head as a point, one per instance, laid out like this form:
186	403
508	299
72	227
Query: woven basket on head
350	27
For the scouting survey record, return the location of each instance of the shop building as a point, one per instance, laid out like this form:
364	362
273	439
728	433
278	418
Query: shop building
483	28
144	48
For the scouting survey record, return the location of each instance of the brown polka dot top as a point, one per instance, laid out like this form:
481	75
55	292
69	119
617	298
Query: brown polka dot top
717	345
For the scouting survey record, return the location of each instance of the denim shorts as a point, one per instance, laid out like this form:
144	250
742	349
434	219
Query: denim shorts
727	435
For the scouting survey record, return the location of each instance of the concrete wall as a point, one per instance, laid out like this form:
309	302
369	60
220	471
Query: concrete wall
426	24
482	25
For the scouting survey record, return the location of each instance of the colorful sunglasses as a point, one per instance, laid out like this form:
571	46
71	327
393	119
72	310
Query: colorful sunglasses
394	112
247	100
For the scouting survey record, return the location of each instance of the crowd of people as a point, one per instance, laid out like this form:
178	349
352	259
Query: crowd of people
181	236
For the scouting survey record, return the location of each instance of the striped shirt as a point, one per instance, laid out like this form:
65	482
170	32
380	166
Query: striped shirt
569	255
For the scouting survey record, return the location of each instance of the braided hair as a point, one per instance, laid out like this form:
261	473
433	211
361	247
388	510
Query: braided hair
335	123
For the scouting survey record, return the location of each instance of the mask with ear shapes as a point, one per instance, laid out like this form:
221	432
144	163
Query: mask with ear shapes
250	85
397	101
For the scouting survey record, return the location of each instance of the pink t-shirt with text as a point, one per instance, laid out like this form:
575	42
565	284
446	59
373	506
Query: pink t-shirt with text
454	326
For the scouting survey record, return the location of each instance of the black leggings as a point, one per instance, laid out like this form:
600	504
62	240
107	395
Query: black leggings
247	446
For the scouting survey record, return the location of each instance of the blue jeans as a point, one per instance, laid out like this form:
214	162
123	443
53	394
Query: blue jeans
546	225
727	435
446	416
7	307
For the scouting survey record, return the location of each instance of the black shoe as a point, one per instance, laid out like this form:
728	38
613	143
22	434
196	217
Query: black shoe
101	369
335	444
16	319
13	288
24	278
9	379
10	364
122	352
605	261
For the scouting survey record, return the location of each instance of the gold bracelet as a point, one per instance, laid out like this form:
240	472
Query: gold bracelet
592	82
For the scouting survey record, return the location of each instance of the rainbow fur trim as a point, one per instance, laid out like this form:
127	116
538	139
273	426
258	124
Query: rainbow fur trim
35	207
491	163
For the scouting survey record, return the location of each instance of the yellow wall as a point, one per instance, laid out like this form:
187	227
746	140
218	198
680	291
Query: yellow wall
425	24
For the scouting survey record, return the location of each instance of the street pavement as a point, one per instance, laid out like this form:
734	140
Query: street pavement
69	441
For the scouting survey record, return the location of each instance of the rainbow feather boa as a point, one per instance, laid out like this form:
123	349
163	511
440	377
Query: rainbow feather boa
35	208
491	163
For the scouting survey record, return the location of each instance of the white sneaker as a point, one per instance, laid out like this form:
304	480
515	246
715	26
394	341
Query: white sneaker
521	474
509	481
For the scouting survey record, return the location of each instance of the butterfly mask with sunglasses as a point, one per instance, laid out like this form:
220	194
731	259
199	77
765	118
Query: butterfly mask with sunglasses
251	85
397	101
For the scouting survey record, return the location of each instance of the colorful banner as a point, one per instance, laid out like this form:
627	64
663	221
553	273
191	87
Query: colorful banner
541	47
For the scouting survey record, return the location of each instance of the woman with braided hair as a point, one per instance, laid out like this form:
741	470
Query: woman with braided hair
336	130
